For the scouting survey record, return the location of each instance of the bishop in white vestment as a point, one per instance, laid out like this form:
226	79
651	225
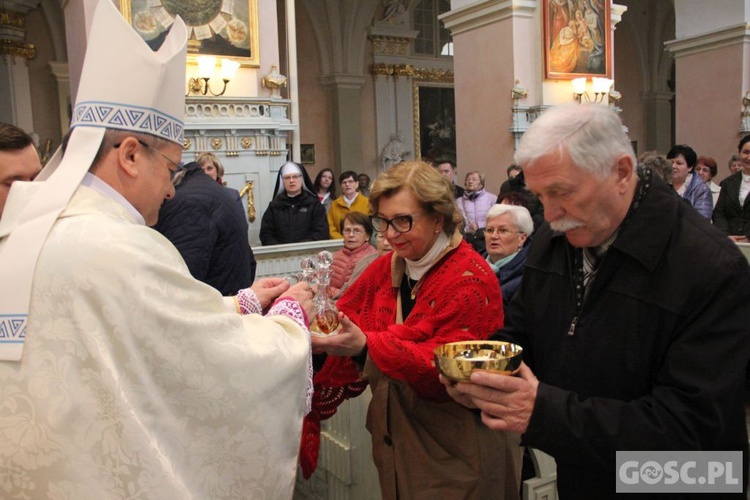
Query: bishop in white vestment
121	376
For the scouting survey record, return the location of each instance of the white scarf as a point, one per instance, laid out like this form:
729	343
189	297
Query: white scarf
348	201
415	269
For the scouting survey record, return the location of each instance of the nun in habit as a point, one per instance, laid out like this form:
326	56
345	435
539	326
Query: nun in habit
295	213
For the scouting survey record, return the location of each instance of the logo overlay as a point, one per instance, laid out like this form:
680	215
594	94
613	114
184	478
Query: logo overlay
679	472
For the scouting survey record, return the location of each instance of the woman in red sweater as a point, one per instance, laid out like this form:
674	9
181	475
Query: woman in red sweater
433	289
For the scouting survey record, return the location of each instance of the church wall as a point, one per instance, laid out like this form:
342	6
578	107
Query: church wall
708	116
45	111
483	66
314	99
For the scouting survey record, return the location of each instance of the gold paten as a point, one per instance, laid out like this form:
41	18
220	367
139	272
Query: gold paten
458	360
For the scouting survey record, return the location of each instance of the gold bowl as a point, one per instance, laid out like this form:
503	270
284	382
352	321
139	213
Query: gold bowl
458	360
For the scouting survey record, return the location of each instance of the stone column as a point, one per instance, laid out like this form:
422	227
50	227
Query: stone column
392	74
658	113
495	43
346	93
15	100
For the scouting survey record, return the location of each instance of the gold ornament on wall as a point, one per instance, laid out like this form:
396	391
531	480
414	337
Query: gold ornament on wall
246	143
216	143
248	190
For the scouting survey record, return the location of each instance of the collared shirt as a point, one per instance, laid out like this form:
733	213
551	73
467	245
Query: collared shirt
93	182
744	188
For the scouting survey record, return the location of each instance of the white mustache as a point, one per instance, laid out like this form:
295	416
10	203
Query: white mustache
565	224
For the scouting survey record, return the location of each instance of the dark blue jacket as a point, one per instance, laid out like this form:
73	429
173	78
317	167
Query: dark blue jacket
208	227
510	275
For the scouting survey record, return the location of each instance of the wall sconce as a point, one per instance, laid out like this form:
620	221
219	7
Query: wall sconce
600	86
207	70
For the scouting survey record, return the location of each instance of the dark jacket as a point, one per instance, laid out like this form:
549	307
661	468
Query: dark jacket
728	215
518	184
208	227
658	357
292	220
510	275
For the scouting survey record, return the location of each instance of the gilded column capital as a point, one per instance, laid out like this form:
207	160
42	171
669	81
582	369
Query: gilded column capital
13	49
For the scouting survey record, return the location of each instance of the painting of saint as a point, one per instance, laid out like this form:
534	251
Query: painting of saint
576	38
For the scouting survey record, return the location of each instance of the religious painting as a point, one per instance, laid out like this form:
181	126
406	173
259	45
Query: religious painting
307	154
577	38
434	122
222	28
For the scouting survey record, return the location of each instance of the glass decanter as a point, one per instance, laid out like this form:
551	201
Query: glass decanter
326	320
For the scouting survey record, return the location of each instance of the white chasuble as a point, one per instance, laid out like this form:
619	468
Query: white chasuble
136	381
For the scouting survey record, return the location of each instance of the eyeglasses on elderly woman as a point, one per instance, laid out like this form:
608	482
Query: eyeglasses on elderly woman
401	223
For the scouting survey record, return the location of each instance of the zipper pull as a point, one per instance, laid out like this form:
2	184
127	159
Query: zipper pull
572	329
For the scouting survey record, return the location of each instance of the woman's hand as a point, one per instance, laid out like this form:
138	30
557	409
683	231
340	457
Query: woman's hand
348	342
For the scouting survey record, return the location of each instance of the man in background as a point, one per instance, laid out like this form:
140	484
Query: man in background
208	227
447	169
19	160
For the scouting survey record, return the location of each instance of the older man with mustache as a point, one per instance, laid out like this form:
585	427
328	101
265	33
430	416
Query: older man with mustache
627	344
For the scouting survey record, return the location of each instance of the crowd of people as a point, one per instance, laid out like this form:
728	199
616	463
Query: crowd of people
133	363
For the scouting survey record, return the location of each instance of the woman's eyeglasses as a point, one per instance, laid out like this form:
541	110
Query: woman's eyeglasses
503	231
402	223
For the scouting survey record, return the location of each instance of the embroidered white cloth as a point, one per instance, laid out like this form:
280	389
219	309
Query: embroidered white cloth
137	381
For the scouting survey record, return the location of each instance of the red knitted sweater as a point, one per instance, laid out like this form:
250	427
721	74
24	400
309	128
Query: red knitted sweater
458	299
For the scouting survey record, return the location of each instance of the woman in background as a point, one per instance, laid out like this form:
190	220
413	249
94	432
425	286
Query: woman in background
325	188
508	228
732	212
357	231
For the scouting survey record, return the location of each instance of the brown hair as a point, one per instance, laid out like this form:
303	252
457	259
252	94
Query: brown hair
433	192
357	218
208	156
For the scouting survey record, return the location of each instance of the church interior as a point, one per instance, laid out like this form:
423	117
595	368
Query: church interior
360	84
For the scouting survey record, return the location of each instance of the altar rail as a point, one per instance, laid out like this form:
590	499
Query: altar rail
283	260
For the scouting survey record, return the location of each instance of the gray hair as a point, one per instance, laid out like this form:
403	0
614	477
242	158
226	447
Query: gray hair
520	215
591	134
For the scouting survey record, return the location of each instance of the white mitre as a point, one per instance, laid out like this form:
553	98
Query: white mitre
124	85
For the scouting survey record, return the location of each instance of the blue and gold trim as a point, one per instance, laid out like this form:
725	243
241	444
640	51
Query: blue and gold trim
133	118
13	328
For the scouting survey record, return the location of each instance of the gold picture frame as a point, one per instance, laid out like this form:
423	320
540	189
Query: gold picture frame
212	30
577	44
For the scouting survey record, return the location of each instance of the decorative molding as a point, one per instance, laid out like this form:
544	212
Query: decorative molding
726	37
395	70
216	143
13	49
433	75
12	19
344	81
523	117
186	143
480	14
246	143
390	45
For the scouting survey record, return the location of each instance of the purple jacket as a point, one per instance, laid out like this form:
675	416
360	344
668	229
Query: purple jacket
698	194
474	207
